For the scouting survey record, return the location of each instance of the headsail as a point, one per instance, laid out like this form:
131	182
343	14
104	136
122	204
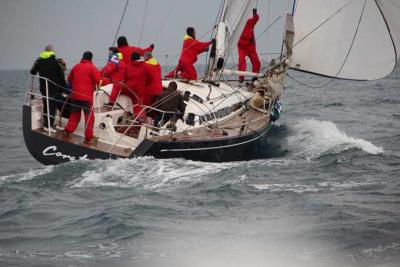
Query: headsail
350	39
391	12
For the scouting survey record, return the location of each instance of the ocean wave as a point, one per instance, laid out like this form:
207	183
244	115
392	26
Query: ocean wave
27	175
372	252
312	188
333	104
142	172
313	138
148	173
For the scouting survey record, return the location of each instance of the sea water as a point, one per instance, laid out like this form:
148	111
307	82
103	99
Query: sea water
324	190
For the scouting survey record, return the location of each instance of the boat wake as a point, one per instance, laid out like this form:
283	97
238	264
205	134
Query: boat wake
145	173
320	187
148	173
313	139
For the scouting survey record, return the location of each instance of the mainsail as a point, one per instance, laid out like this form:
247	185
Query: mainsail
350	39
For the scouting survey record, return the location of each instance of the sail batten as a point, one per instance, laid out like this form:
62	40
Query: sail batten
349	39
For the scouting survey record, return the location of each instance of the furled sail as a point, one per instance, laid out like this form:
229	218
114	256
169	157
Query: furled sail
235	16
350	39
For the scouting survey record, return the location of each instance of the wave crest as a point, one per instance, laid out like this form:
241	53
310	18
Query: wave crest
314	138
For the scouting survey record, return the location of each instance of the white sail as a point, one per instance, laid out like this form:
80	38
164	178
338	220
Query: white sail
391	12
235	16
350	39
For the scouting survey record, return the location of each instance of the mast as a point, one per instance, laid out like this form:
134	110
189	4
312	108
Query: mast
217	54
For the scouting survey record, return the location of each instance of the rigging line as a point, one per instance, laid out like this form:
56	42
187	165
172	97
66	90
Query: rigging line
120	22
164	22
144	20
294	7
348	52
268	21
322	23
269	26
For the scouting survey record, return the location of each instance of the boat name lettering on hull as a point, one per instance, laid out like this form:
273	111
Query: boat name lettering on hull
52	151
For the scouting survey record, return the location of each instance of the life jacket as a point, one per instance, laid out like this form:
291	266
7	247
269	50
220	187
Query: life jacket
46	54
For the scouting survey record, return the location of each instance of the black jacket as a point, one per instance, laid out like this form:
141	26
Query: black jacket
49	68
171	101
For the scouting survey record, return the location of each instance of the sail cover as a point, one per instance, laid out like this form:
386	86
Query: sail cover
235	16
350	39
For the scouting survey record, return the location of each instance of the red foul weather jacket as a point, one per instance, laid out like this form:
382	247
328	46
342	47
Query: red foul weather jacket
135	77
191	48
114	70
153	80
83	78
127	51
247	39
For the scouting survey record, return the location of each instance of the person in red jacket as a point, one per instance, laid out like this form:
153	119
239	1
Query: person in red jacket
153	79
191	48
83	78
135	79
126	50
114	72
247	46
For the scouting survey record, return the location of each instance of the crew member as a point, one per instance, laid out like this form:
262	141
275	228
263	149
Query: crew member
153	79
127	50
84	77
171	101
114	73
49	68
247	46
135	79
64	96
190	50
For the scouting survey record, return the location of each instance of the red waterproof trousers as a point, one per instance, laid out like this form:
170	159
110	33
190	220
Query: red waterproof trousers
252	54
115	92
183	70
74	119
116	89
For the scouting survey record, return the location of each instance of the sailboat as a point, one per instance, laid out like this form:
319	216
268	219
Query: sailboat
225	120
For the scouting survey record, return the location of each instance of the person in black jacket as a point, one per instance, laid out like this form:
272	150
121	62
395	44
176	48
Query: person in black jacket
170	101
49	68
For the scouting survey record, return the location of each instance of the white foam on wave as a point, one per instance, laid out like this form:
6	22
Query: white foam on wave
312	188
148	172
313	138
27	175
269	162
372	252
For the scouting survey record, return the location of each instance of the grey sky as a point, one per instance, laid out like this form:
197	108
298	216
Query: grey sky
74	26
